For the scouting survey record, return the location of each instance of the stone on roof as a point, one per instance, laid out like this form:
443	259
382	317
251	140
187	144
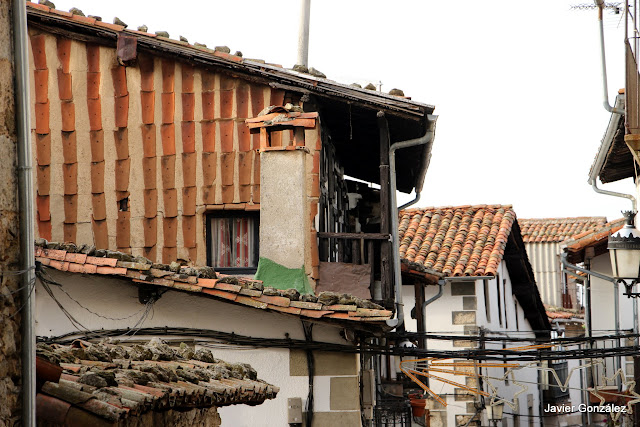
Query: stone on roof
115	382
205	281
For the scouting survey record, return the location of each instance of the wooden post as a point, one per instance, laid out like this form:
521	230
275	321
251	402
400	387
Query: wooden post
385	212
419	297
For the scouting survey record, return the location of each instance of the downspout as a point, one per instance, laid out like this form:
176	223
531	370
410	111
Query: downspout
426	160
604	149
605	102
25	198
395	244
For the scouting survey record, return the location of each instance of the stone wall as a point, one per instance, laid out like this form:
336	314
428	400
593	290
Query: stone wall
9	245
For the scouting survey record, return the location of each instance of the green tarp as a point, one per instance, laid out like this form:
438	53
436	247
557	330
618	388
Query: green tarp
280	277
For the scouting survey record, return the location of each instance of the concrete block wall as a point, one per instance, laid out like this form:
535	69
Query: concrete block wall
132	158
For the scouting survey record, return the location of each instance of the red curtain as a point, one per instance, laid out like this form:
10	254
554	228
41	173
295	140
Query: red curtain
232	242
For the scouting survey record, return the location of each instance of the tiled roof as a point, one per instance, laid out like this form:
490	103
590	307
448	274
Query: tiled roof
456	241
116	382
557	229
563	313
222	57
205	281
583	240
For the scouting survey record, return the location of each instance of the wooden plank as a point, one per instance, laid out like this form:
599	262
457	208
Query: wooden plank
340	250
351	236
372	263
355	252
298	137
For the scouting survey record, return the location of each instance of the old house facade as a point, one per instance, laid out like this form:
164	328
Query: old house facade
155	158
466	274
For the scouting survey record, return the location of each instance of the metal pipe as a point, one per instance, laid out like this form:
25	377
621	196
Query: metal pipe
426	160
616	311
425	139
605	102
25	197
303	33
602	154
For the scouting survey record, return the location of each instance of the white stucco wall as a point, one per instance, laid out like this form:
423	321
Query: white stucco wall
603	310
439	320
117	298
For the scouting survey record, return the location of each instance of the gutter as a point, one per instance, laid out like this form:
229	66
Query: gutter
426	160
427	138
600	4
25	198
602	154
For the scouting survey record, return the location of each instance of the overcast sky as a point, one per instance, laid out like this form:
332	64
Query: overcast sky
517	85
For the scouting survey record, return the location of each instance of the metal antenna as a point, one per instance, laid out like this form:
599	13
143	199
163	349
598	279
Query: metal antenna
303	34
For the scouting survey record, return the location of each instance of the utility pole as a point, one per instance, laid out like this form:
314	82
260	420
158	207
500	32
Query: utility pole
303	33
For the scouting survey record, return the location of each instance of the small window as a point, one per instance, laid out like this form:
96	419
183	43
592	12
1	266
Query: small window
232	241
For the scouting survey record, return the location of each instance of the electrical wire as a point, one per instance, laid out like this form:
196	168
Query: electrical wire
259	342
32	284
51	281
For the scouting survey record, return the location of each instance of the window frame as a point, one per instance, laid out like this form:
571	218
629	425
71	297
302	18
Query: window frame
255	215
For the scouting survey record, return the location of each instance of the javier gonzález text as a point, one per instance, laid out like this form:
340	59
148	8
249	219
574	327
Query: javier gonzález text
565	409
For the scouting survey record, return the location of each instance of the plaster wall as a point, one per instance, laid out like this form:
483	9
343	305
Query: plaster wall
284	211
603	312
118	299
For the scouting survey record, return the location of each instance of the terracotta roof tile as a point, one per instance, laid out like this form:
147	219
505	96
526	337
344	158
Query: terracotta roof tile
241	290
185	379
557	229
456	241
588	238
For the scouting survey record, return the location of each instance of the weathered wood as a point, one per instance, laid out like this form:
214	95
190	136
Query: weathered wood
372	262
340	250
419	298
385	208
352	236
355	252
298	137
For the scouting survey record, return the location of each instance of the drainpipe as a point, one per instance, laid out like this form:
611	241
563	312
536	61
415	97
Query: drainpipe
606	144
426	160
605	102
395	244
25	198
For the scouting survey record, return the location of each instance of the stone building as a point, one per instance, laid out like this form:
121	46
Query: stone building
466	273
10	303
156	158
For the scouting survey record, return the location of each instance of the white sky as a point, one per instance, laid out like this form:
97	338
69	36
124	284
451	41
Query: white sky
516	85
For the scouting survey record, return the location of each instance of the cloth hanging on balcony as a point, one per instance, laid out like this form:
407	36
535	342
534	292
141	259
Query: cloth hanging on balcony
280	277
